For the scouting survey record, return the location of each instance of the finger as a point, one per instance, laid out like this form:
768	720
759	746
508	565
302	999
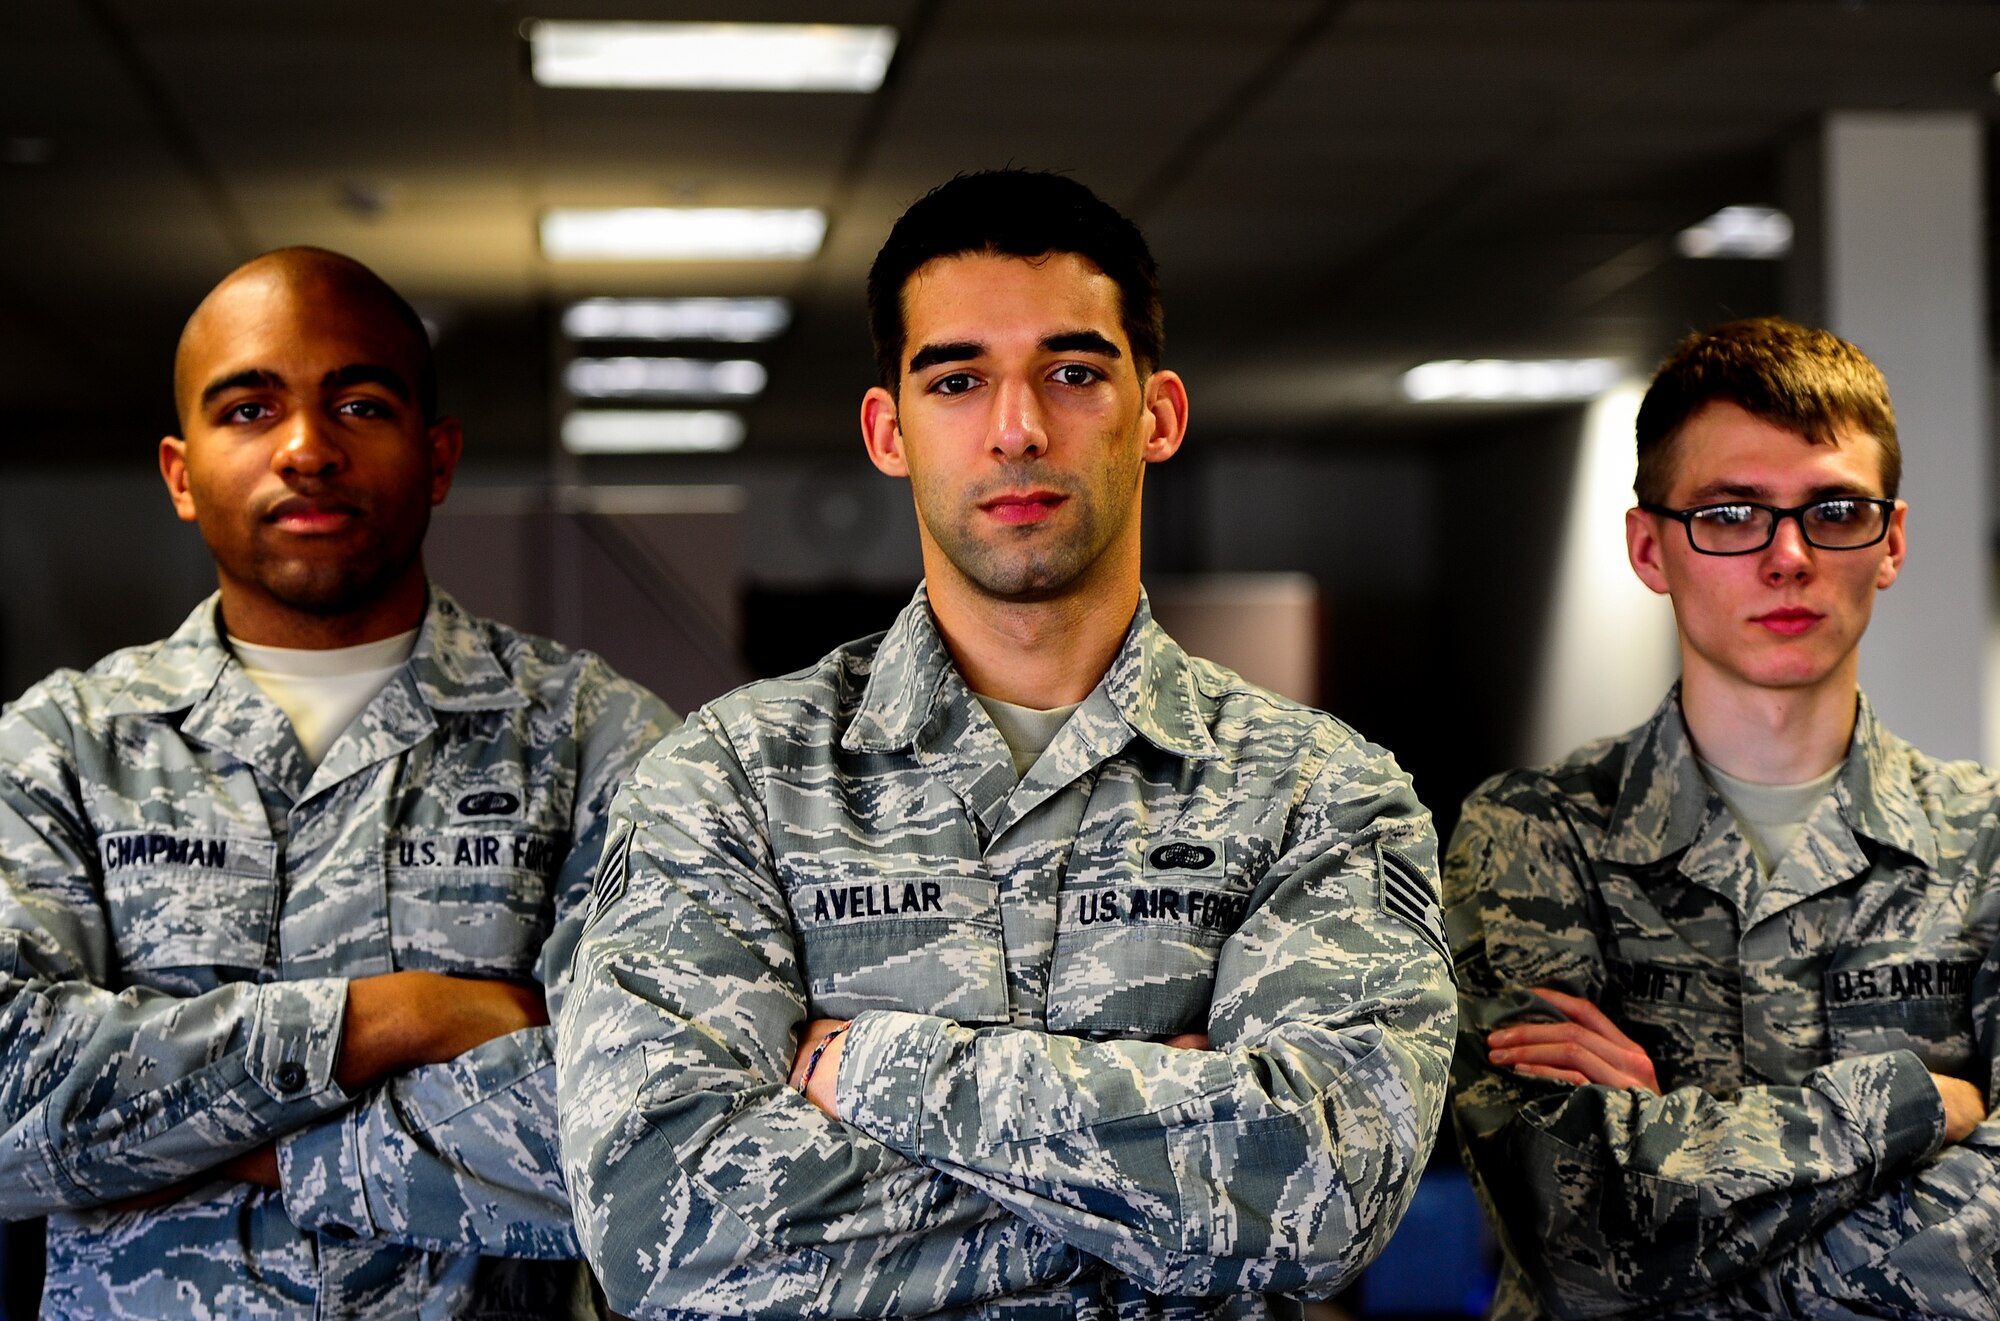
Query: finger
1530	1035
1188	1041
1570	1056
1560	1075
1620	1053
1581	1011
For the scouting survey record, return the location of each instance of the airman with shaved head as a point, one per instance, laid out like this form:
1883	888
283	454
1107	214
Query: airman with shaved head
286	898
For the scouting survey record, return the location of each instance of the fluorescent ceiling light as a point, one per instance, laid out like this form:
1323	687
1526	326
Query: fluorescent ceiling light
761	57
1496	380
728	320
1760	233
664	378
665	233
651	431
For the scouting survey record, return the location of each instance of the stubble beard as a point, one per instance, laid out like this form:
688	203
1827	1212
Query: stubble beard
1030	563
329	585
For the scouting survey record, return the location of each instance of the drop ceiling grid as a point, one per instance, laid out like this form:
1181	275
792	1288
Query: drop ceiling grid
1099	93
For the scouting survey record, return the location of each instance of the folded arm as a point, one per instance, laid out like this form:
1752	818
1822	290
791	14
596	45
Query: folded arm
1280	1159
1614	1197
697	1172
1928	1243
456	1149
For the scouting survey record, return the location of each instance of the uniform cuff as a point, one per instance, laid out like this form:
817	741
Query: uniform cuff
1890	1098
295	1038
883	1068
320	1177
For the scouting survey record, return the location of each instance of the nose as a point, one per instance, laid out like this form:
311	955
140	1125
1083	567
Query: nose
1017	428
1788	555
306	447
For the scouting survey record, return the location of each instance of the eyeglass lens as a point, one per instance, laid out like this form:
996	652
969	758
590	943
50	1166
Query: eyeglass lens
1830	524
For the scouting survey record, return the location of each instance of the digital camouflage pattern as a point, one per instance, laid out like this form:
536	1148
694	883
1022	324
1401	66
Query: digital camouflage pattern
1793	1166
1189	854
182	898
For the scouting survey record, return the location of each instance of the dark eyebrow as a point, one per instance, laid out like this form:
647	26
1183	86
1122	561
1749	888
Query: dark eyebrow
245	380
360	373
366	373
1069	341
1081	341
930	355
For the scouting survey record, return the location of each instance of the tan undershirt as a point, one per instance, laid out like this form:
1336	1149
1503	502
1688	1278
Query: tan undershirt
322	691
1028	732
1770	815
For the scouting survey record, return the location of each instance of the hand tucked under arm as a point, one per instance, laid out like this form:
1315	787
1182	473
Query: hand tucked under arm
1585	1048
395	1022
1964	1107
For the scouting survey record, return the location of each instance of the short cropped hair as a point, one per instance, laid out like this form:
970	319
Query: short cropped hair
1014	213
1807	381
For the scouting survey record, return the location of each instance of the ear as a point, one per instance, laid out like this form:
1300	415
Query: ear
1644	550
174	471
882	432
1898	539
447	440
1167	409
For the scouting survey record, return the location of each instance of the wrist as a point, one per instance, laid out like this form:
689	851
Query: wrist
830	1043
384	1032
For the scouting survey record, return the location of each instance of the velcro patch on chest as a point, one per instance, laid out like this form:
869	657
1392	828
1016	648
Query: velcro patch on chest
140	851
1183	882
1172	860
1657	983
473	850
1902	979
1409	896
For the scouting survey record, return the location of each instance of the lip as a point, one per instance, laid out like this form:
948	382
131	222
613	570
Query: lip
1789	620
305	516
1020	507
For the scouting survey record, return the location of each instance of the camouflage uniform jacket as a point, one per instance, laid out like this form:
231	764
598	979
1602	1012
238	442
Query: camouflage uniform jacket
1190	854
182	900
1793	1165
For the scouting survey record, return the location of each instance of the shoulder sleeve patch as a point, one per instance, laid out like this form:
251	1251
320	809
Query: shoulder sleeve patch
609	887
1409	896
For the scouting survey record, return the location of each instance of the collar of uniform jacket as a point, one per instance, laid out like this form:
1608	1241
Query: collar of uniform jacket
452	666
1664	801
1150	685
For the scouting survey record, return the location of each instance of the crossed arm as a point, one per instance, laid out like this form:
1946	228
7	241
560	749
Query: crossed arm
1586	1047
975	1162
409	1107
393	1023
1615	1195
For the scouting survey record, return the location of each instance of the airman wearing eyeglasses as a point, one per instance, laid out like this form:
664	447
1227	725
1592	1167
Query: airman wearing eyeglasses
1730	991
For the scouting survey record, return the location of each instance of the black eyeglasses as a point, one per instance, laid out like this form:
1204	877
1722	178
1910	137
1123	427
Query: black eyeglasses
1846	522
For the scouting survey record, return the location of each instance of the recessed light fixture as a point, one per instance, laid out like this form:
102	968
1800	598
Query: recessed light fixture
725	320
1498	380
669	233
652	431
762	57
664	378
1758	233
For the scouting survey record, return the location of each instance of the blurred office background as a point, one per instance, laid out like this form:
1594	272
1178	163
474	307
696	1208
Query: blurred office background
1417	253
